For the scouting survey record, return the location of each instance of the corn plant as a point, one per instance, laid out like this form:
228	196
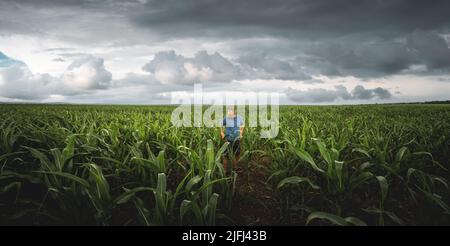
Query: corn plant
128	165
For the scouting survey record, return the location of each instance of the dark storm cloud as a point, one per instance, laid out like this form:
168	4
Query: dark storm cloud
359	92
269	39
287	18
266	66
343	57
432	49
294	17
63	3
98	22
354	37
382	93
361	59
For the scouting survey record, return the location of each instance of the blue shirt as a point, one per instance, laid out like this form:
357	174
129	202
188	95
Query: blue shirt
232	127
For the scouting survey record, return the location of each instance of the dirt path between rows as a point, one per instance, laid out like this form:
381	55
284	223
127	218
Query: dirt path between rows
255	202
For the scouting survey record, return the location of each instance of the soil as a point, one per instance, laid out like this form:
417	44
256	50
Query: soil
255	202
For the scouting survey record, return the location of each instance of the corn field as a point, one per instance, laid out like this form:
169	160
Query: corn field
128	165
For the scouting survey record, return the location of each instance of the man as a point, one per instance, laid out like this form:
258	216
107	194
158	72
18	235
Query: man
232	131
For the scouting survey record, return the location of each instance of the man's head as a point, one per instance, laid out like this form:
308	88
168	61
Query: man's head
231	112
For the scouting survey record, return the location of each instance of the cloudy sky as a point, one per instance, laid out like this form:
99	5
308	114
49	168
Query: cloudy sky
308	51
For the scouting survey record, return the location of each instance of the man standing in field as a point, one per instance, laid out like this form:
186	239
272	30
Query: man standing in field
232	131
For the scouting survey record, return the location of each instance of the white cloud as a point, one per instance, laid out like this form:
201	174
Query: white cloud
81	77
171	68
194	73
17	81
87	78
87	73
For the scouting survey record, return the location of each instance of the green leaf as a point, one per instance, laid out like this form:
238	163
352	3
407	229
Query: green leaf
378	211
296	180
184	208
68	176
360	179
365	165
142	211
161	184
307	157
212	206
221	151
362	151
206	186
42	158
334	219
355	221
324	151
437	200
128	194
10	186
400	154
161	161
193	181
339	166
384	186
197	213
100	182
440	180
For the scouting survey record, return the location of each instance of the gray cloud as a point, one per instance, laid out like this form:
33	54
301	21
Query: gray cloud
254	39
354	37
58	60
305	17
234	18
362	60
342	92
312	95
382	93
374	58
430	49
359	92
82	77
319	95
310	18
261	65
16	81
357	38
171	68
168	67
147	83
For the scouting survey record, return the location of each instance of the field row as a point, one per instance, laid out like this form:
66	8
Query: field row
128	165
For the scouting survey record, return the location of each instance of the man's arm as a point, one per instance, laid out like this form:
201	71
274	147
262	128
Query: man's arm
222	133
241	131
